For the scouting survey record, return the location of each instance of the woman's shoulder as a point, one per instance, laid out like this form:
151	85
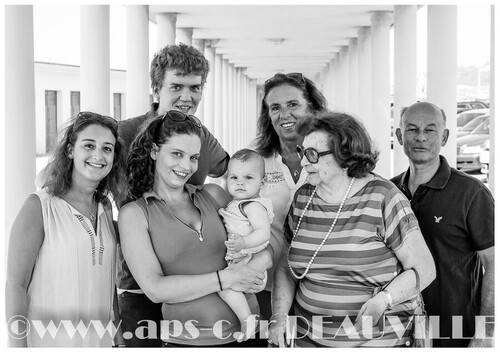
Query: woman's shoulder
215	191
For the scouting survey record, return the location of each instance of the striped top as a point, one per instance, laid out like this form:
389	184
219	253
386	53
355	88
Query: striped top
356	260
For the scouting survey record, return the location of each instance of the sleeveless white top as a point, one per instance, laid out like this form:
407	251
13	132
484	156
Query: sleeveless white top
73	277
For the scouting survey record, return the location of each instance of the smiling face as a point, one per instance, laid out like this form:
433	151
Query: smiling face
176	160
327	170
422	133
244	179
92	154
287	106
180	92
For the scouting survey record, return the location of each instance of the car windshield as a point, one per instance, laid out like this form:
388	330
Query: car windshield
482	129
471	125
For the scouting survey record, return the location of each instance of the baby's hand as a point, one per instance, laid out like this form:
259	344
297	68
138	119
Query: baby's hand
235	245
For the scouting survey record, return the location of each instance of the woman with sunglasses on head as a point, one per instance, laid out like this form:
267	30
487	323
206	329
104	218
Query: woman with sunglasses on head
352	242
62	249
173	239
288	98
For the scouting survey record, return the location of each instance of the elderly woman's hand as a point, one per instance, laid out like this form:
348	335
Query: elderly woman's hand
241	278
373	307
277	331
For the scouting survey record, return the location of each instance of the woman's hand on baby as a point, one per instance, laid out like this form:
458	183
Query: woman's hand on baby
242	278
235	245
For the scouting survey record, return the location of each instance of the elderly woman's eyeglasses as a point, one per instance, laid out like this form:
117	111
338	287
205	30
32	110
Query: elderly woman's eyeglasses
311	154
294	76
176	115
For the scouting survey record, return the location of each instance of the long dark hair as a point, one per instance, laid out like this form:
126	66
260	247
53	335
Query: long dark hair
58	173
140	165
268	142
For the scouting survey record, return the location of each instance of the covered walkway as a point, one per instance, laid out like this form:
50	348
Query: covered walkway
344	49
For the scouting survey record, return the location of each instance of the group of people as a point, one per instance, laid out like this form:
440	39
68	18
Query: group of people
304	237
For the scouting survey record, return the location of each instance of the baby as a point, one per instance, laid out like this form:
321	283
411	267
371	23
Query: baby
248	221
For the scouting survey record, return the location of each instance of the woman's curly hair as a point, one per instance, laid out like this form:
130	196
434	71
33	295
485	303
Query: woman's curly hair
140	165
268	141
58	173
347	138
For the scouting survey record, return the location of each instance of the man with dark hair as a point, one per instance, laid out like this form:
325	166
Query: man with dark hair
456	215
178	74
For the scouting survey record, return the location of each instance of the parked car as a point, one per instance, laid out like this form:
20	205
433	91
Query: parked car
462	106
484	157
469	147
466	116
471	125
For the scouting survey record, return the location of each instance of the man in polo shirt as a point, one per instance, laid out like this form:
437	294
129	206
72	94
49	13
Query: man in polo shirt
178	73
456	215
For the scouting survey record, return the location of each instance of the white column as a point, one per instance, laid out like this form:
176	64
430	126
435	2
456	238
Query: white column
94	70
335	83
344	78
405	72
494	78
230	105
166	28
218	98
253	111
381	91
365	77
209	90
225	104
184	35
237	118
137	89
20	132
199	44
353	77
442	69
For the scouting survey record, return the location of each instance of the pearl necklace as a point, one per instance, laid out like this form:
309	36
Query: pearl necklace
326	236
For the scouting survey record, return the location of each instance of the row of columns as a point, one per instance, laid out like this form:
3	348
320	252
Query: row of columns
356	80
229	107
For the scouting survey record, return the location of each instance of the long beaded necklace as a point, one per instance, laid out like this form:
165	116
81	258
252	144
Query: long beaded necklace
91	213
326	236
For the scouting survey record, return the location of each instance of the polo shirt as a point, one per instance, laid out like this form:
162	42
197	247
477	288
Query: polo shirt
180	252
456	216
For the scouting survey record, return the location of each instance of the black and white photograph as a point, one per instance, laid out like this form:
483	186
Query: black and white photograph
249	175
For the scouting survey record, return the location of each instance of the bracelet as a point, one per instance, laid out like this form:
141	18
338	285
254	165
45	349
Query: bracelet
274	315
218	278
389	297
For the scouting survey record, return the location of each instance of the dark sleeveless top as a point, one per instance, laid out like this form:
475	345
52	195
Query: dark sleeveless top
180	252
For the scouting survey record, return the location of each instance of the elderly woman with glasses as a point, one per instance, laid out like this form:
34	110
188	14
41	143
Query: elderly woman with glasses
288	99
173	239
62	249
353	241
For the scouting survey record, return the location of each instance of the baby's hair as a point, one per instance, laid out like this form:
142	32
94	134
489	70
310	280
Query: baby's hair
247	154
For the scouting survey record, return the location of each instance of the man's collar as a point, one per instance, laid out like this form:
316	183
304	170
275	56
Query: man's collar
191	189
438	181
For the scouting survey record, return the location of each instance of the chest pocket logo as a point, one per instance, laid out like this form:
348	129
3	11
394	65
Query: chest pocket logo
437	219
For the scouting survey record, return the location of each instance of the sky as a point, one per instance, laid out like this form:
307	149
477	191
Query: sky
56	42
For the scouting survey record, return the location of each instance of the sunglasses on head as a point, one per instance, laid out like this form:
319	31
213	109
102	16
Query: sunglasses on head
176	115
311	154
294	76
